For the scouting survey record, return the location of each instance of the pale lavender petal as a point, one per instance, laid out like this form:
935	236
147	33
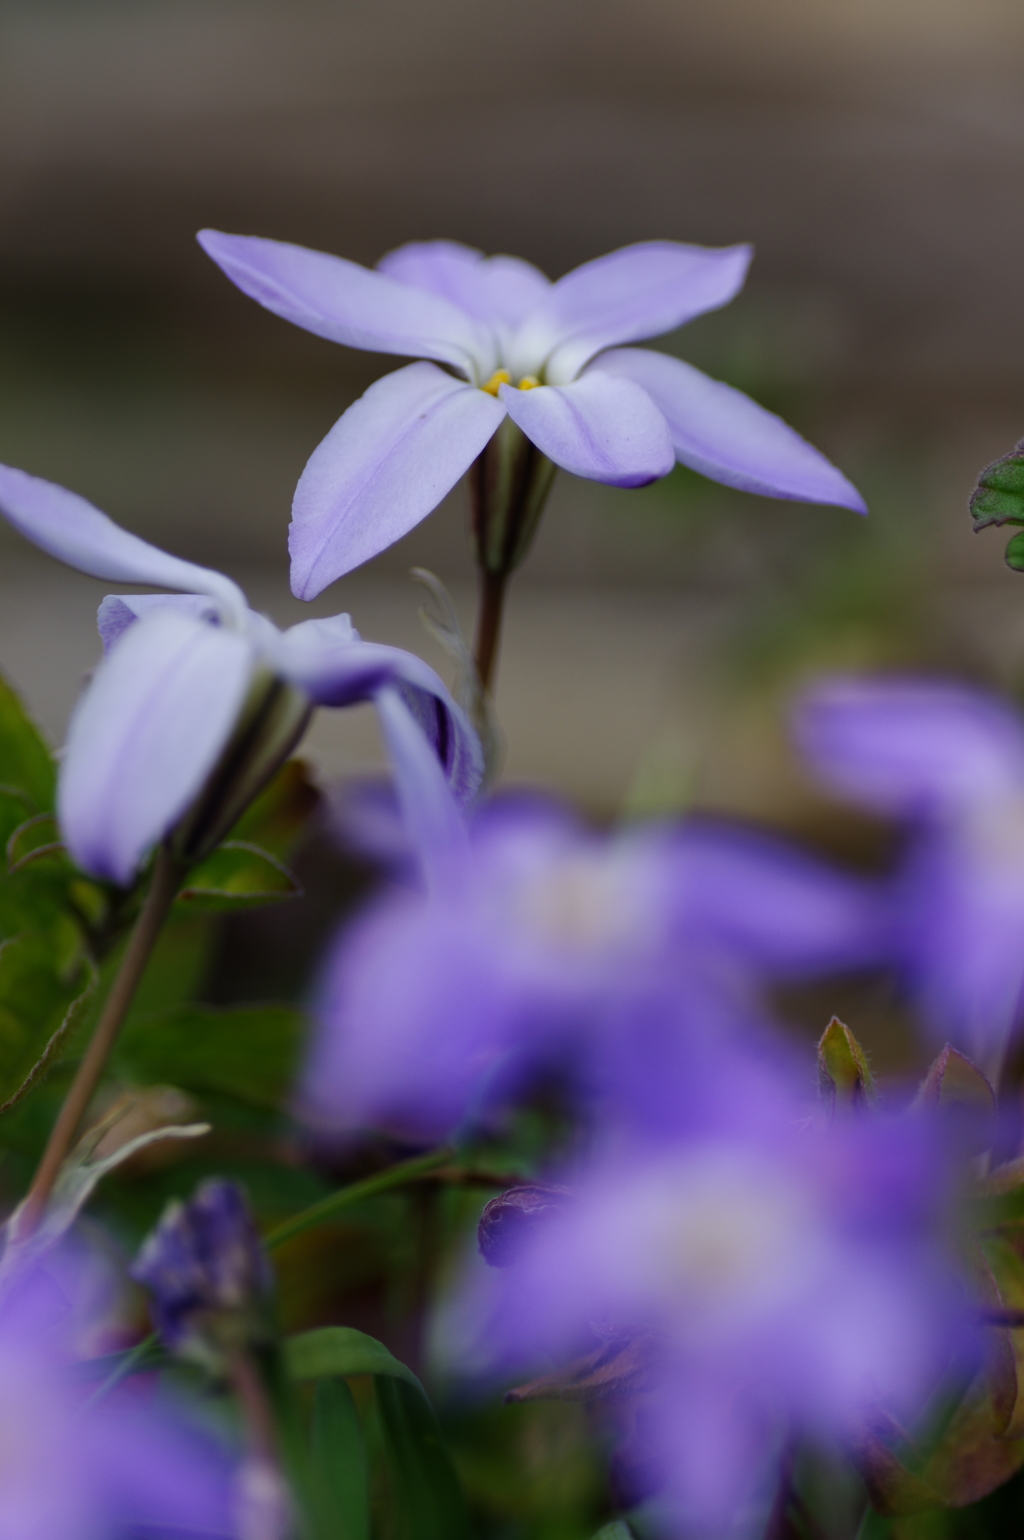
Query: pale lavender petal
145	736
66	526
327	660
119	611
638	292
429	810
386	463
911	746
347	303
723	434
500	290
605	429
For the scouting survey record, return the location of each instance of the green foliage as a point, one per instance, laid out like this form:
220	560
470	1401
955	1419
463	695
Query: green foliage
340	1476
26	764
843	1069
998	499
426	1489
40	1006
248	1052
341	1351
238	875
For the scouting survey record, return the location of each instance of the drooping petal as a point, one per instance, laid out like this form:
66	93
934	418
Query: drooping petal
335	668
145	736
723	434
911	746
603	428
429	810
385	464
354	305
640	291
119	611
66	526
499	290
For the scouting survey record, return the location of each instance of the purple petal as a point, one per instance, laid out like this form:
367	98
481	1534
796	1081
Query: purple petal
500	290
385	465
640	291
599	427
429	810
119	611
145	736
66	526
327	660
772	907
347	303
723	434
911	746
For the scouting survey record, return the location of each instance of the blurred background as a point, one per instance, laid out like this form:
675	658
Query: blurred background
873	150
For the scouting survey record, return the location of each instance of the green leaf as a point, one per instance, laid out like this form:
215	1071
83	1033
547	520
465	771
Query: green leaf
1014	553
40	1005
843	1069
428	1494
35	839
998	497
238	876
615	1531
338	1351
340	1472
248	1051
26	763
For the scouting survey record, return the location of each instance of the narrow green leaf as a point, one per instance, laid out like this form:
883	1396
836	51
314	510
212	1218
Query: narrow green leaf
25	760
340	1471
338	1351
40	1005
37	838
429	1500
238	876
843	1069
248	1051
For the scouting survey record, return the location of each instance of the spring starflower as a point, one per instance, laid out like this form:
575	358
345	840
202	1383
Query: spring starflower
199	699
533	372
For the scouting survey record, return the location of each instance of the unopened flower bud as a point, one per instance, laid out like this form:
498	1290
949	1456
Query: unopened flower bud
208	1275
507	1222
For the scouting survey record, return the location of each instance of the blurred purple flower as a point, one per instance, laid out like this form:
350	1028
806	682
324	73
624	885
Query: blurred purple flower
208	1274
119	1467
509	341
189	675
766	1280
555	948
949	762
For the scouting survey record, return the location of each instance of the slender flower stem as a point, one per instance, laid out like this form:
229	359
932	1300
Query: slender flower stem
167	874
488	626
384	1181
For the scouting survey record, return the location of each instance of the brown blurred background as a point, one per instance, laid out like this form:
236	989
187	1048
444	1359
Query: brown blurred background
873	150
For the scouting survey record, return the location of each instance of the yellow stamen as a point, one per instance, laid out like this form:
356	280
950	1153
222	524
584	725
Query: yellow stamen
529	382
499	377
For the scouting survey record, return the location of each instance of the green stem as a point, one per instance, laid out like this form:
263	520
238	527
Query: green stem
166	878
369	1187
488	626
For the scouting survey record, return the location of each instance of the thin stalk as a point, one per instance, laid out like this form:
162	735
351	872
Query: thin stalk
369	1187
488	626
167	874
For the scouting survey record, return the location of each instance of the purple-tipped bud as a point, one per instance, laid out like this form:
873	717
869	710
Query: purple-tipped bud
507	1222
208	1275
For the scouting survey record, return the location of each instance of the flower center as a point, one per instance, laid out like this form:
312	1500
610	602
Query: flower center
503	377
580	906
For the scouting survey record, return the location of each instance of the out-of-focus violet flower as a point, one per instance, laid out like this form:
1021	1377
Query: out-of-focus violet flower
199	699
949	762
559	949
113	1469
776	1279
518	352
208	1275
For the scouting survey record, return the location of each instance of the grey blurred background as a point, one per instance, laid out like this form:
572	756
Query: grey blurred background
873	150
